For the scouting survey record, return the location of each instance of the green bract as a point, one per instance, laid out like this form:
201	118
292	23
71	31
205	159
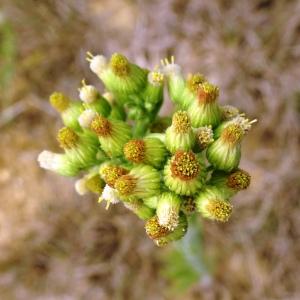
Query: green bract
163	169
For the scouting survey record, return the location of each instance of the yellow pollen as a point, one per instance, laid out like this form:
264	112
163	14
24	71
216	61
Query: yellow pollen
112	173
67	138
184	165
239	180
59	101
181	122
134	151
194	81
125	185
95	184
119	64
157	77
232	133
207	93
219	210
101	126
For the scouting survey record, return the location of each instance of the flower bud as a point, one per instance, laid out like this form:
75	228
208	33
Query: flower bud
88	93
110	173
167	211
225	153
184	173
69	110
212	205
180	135
81	149
204	110
59	163
93	100
204	136
90	183
193	84
175	80
154	230
86	118
112	134
98	63
141	182
177	234
140	209
149	151
230	184
123	77
153	92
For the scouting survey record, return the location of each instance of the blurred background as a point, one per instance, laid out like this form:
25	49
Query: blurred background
57	245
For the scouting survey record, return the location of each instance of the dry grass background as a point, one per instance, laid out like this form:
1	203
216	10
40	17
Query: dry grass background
56	245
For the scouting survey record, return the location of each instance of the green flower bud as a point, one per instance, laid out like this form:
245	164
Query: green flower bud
153	93
175	79
81	149
69	110
123	77
93	100
112	134
90	183
154	230
177	234
230	184
140	209
167	211
149	151
193	84
205	110
212	205
110	173
188	205
180	135
225	153
240	120
151	201
204	136
58	163
141	182
184	173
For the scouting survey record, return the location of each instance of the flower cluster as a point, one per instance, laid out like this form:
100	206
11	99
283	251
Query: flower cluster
162	169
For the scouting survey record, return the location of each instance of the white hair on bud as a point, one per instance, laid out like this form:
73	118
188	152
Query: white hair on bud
49	160
88	93
98	63
86	118
171	69
80	186
110	195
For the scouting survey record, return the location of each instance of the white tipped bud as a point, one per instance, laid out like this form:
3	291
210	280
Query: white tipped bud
88	93
110	195
172	68
49	160
98	63
80	186
86	118
109	97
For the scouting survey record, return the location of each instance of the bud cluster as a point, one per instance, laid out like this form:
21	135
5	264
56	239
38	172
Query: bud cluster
162	169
